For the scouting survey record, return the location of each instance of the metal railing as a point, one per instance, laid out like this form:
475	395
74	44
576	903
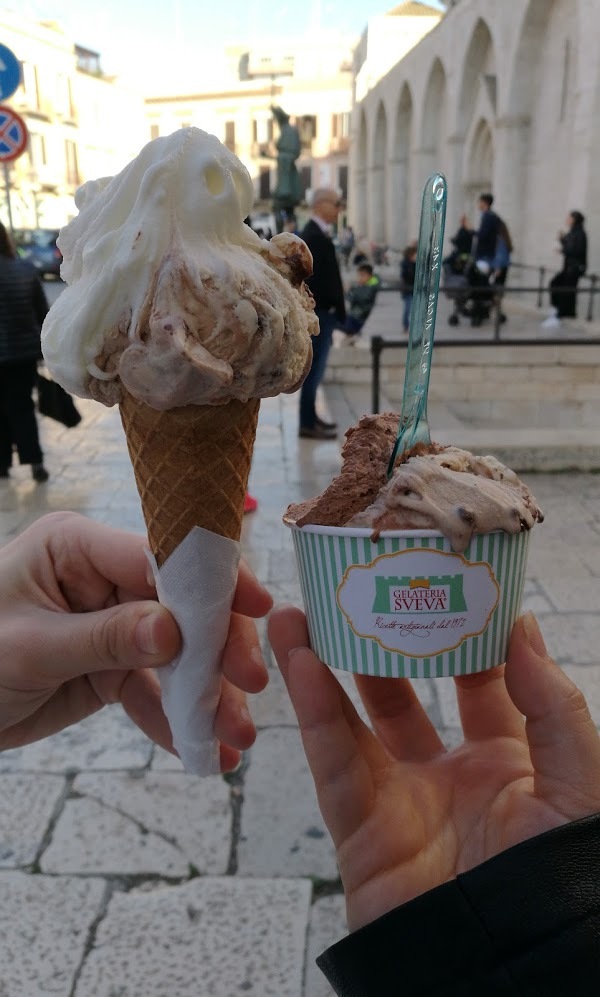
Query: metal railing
379	344
541	288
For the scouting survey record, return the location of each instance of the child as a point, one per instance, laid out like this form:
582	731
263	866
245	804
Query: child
361	298
407	282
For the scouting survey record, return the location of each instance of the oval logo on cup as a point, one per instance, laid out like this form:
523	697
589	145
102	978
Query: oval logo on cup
418	602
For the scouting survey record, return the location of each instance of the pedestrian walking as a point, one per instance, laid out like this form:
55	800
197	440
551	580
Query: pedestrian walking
328	291
23	307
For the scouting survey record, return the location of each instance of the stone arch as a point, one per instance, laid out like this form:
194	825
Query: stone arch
433	122
400	222
361	171
378	178
478	76
479	163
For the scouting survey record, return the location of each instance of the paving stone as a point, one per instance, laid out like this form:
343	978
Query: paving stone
90	839
587	678
29	803
327	926
576	594
282	831
168	821
272	707
44	926
106	740
573	637
164	761
214	937
536	603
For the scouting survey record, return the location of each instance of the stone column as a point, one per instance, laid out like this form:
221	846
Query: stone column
376	196
454	175
398	203
511	153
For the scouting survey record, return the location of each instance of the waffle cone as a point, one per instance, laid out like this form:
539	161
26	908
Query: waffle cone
191	467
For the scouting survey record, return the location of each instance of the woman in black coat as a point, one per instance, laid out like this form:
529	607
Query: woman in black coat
23	307
574	249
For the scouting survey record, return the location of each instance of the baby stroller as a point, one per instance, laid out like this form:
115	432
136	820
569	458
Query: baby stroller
467	285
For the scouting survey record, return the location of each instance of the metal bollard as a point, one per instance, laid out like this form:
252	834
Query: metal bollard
541	287
377	344
593	282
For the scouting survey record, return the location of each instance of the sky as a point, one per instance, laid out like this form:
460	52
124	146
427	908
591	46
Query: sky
164	34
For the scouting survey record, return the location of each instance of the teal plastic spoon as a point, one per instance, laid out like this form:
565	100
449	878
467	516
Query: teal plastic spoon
413	418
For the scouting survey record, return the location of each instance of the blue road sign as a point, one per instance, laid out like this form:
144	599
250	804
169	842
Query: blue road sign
10	72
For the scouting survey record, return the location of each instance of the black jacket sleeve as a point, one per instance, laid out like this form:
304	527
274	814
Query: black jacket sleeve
523	924
326	282
40	304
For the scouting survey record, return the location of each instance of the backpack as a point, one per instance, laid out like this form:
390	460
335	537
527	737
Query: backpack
505	234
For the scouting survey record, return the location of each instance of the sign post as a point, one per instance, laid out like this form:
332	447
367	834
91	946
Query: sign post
13	142
13	130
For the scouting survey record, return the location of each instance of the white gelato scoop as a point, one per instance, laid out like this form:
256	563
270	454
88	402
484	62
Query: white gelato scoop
170	294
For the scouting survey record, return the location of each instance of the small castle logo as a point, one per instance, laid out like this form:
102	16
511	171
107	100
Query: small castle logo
435	594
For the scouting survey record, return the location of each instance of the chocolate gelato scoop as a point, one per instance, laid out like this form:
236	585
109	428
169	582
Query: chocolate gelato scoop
432	488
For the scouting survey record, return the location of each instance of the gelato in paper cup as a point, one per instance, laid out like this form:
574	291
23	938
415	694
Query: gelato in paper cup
407	604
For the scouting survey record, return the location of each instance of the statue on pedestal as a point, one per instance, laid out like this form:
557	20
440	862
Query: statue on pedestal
288	190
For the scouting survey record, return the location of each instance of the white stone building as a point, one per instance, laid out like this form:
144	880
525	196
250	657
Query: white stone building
81	123
498	96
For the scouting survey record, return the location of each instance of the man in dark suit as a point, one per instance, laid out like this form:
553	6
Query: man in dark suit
328	291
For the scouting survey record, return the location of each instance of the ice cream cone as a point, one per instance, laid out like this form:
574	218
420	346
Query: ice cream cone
191	467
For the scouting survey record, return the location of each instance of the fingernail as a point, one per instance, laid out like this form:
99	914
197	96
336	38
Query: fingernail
257	656
534	635
145	634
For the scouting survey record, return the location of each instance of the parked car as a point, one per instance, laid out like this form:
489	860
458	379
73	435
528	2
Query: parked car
39	246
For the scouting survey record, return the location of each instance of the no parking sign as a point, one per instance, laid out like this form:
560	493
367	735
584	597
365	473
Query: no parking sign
13	134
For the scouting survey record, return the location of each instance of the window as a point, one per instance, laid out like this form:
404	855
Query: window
31	83
37	150
71	161
264	183
340	125
307	129
230	135
305	179
343	181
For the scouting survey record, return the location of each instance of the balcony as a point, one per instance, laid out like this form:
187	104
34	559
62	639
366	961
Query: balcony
341	144
26	104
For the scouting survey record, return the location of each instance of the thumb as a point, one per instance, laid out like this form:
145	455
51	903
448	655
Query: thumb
130	635
563	741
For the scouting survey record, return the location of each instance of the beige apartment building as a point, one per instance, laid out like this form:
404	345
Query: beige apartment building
81	123
311	79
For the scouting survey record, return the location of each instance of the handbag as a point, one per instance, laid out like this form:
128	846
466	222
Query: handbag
56	403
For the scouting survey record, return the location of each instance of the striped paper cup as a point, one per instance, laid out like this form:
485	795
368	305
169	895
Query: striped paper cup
408	605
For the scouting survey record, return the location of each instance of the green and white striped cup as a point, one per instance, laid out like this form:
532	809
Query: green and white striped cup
408	605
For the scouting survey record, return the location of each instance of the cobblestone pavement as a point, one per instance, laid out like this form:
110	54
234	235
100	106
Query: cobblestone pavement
123	877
